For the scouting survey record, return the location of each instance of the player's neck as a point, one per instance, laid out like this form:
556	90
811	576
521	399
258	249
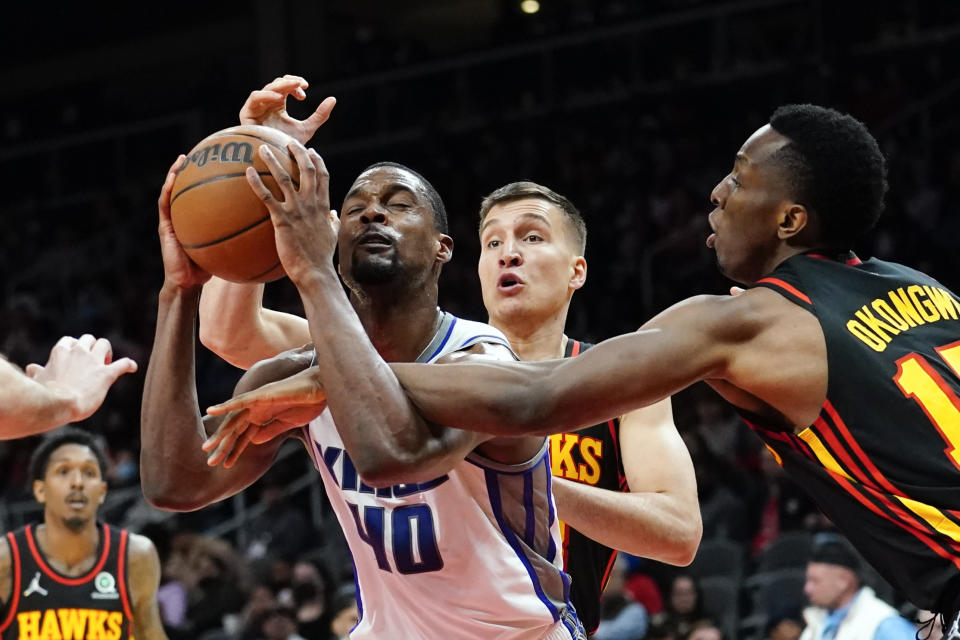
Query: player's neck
533	341
66	550
400	329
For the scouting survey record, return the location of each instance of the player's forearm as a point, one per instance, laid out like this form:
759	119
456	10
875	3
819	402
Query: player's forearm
28	407
381	430
235	326
655	525
173	467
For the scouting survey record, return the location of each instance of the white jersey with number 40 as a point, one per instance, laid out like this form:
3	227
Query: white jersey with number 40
474	553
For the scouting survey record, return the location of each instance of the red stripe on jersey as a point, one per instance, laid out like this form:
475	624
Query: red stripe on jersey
122	576
15	596
70	582
798	446
833	445
575	349
606	571
861	476
786	286
848	437
850	262
564	541
920	535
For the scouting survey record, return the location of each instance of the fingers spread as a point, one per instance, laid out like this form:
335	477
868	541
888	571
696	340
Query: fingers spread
323	111
253	179
239	447
277	171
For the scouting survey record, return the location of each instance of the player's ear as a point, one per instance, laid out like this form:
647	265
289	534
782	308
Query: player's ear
103	491
39	491
793	219
444	248
579	275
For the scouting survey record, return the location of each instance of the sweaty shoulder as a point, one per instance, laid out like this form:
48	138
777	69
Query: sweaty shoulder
777	356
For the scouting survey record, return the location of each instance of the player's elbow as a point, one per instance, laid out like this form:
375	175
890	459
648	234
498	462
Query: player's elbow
685	541
168	499
220	342
162	490
410	464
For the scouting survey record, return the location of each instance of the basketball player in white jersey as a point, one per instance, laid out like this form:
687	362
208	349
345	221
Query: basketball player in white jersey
452	534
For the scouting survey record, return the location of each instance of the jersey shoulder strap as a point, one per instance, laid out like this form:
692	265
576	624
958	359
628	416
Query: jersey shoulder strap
788	282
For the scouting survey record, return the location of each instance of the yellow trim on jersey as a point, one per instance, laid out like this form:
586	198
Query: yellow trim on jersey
823	455
934	517
931	515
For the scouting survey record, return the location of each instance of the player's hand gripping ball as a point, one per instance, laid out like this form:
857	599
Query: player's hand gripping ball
221	223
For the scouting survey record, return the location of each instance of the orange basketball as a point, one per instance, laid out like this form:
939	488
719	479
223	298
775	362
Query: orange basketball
220	222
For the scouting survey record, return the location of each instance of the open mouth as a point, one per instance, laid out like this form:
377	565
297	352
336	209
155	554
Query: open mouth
711	240
509	283
77	502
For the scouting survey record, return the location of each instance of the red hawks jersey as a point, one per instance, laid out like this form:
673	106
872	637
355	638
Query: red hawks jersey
46	605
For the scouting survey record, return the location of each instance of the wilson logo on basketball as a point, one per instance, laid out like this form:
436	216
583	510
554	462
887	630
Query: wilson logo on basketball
237	152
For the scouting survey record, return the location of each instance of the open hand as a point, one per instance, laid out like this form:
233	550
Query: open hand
260	415
84	368
305	227
268	107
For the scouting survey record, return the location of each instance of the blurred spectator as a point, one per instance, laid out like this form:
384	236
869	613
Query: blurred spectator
309	598
684	605
782	505
784	627
621	617
282	529
280	623
721	489
343	615
704	630
843	609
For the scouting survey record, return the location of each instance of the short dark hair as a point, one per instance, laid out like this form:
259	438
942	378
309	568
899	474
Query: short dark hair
526	189
836	551
834	167
66	435
436	202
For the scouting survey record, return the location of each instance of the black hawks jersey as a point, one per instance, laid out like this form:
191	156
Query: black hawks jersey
591	456
45	605
882	459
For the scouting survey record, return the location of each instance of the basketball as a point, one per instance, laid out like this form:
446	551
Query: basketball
221	223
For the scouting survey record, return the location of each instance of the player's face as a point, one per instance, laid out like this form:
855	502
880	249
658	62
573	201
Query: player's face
72	488
387	230
827	585
529	263
746	203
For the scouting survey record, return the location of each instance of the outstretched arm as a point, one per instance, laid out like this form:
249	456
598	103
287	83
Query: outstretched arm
233	322
759	350
68	388
659	518
670	352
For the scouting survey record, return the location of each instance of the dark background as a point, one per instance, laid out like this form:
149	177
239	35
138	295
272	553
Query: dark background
634	110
